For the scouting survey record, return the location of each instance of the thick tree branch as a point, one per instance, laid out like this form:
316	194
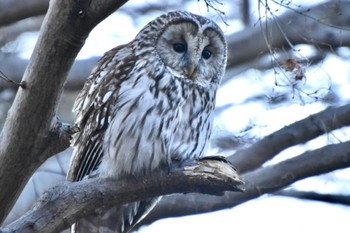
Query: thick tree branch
296	133
261	181
24	138
63	204
14	10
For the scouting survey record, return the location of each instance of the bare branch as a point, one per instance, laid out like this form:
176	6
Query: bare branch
152	7
328	198
261	181
296	133
23	140
11	32
63	204
14	67
14	10
245	9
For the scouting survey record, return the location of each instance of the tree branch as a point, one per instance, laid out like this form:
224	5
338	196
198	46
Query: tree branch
313	196
14	66
28	125
261	181
11	32
296	133
63	204
14	10
58	138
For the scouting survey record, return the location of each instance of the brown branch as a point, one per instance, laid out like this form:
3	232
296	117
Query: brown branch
12	11
58	138
14	67
24	138
63	204
261	181
11	32
296	133
313	196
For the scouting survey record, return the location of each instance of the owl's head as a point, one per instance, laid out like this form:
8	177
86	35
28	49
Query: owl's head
190	46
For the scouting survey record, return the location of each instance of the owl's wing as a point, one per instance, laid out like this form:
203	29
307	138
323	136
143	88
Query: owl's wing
94	107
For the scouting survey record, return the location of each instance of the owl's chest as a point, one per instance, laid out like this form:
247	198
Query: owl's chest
141	131
193	134
150	106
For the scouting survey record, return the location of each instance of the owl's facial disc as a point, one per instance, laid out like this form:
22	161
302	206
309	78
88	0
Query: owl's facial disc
192	52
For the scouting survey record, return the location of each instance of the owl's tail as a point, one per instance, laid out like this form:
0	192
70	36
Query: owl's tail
119	219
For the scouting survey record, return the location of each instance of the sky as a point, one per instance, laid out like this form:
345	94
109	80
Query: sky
272	214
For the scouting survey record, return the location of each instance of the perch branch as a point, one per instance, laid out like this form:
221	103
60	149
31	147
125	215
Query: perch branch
63	204
261	181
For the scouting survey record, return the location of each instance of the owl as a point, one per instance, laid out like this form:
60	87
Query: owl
145	105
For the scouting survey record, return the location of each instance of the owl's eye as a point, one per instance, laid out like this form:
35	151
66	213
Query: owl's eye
206	54
180	47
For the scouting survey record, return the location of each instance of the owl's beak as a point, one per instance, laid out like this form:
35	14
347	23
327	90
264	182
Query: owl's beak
191	68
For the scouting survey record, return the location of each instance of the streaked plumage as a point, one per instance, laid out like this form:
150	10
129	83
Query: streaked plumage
146	103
